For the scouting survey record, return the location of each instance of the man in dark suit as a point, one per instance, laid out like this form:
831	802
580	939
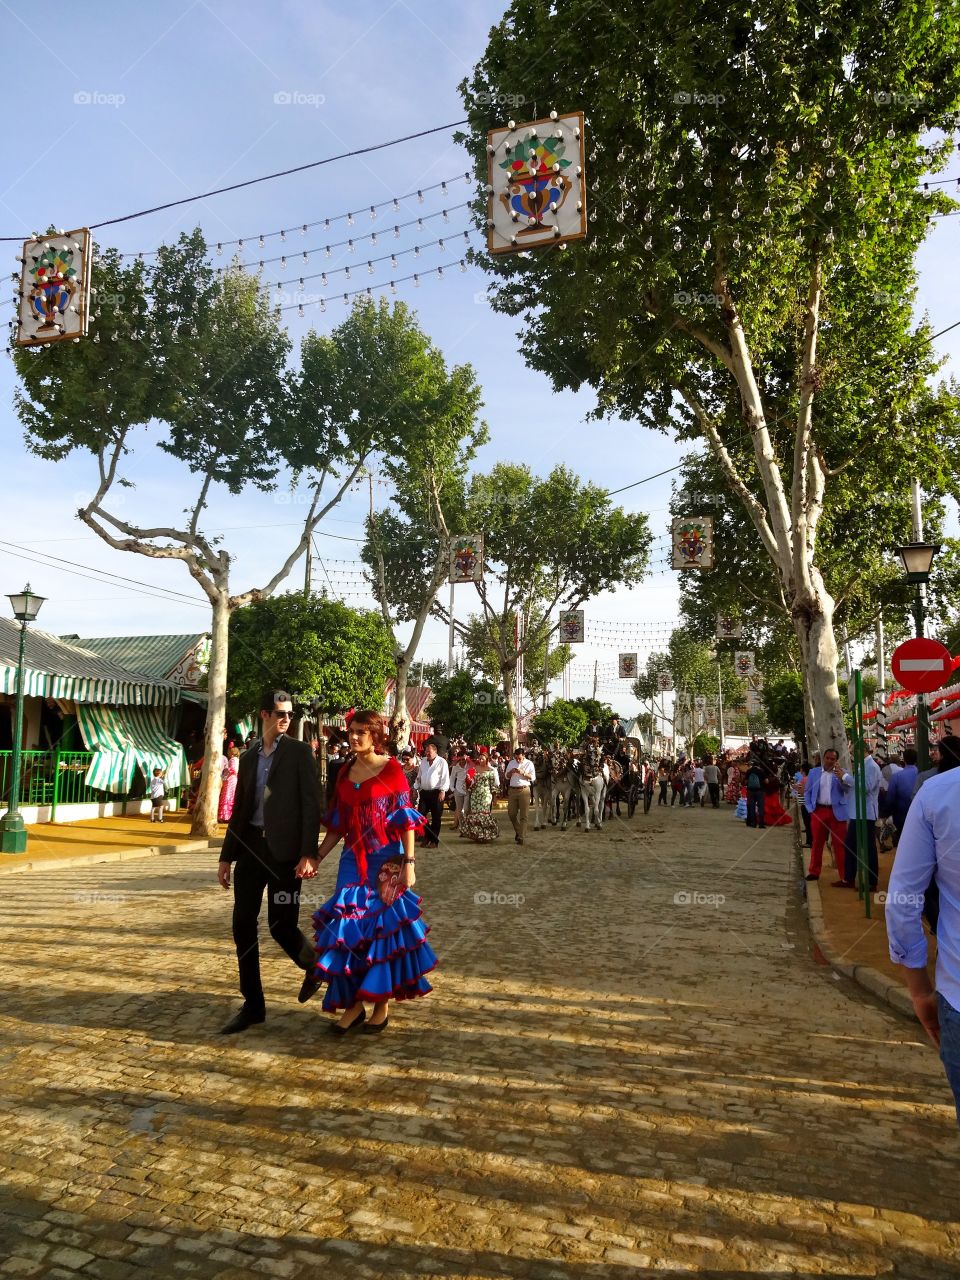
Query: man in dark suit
275	823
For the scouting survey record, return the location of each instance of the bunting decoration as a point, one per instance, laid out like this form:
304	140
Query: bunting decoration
572	626
728	627
693	542
628	666
466	558
536	189
744	664
54	291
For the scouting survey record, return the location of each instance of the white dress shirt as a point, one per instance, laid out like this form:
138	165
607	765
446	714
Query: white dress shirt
434	776
826	788
521	773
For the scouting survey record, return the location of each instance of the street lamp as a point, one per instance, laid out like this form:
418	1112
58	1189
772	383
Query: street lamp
13	833
918	560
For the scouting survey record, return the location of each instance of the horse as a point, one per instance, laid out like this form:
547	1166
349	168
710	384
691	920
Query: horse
624	778
551	787
594	775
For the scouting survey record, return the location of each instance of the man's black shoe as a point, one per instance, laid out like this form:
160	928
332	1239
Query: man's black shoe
308	990
242	1019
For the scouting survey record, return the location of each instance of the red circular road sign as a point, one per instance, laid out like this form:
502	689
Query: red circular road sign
922	666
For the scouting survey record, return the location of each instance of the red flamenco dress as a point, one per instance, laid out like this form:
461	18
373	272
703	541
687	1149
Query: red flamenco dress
370	939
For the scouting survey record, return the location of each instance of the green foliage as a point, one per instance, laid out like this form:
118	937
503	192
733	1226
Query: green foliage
767	169
319	650
431	674
705	744
549	544
695	666
601	712
466	705
783	703
562	722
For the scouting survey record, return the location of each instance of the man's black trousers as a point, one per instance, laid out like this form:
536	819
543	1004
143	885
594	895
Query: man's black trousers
432	809
256	870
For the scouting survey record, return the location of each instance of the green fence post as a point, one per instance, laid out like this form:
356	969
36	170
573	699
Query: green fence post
56	785
860	793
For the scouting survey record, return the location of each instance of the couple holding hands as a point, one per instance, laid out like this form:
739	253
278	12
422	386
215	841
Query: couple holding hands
369	938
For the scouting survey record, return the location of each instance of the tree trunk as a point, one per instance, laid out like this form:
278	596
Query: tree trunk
399	717
813	619
508	676
205	813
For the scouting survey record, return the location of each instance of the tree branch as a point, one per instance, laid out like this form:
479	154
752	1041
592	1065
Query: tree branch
309	525
804	507
754	507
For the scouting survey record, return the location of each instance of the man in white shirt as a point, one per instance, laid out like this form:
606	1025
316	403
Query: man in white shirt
458	785
433	782
521	776
699	784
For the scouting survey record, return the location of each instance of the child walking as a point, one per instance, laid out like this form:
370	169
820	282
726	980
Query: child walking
158	794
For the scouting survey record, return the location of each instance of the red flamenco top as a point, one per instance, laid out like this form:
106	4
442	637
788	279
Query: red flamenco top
371	815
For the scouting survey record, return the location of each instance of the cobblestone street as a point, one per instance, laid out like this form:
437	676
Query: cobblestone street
631	1061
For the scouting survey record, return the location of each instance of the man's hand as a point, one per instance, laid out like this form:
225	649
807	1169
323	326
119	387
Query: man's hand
223	874
925	1007
307	868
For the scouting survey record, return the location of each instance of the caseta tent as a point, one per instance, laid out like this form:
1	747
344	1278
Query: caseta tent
124	739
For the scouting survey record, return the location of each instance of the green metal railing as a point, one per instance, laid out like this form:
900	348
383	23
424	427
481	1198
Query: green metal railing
54	778
50	778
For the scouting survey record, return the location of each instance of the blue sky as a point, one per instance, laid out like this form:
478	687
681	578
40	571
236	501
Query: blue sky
127	106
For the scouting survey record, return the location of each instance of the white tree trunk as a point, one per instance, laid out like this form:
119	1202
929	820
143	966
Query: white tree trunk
205	813
399	716
813	620
508	677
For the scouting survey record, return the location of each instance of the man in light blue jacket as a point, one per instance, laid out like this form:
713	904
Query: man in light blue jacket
825	799
866	822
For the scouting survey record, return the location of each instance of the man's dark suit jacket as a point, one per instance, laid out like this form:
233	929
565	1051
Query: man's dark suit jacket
291	803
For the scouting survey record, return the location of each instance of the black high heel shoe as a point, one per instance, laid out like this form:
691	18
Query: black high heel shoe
374	1028
337	1030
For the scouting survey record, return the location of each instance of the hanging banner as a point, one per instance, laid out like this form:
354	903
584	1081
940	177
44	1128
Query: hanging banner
664	681
700	704
572	629
628	666
744	664
54	292
728	628
537	193
693	542
466	558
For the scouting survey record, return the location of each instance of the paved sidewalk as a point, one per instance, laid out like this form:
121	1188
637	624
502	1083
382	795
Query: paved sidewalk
631	1064
132	835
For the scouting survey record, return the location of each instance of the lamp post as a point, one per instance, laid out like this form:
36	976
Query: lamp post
13	832
918	560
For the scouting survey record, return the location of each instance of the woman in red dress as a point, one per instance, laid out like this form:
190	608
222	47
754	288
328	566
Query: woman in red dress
370	939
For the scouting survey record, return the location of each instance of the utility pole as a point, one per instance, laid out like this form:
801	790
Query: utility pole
720	704
450	637
308	569
923	723
595	661
881	720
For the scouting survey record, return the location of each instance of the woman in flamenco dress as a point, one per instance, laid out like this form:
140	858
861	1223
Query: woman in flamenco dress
370	938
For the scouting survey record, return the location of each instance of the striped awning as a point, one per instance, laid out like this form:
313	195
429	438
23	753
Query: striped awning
125	739
52	668
81	689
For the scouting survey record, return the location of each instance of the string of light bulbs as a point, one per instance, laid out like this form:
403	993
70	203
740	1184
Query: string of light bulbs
350	217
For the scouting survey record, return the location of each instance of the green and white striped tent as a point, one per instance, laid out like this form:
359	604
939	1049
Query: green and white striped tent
125	718
125	739
55	669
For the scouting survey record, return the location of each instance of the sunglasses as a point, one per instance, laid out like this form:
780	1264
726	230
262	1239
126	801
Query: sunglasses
283	715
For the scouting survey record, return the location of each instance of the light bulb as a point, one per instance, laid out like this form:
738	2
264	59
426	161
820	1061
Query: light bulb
261	242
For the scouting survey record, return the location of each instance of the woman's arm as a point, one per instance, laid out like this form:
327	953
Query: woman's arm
408	876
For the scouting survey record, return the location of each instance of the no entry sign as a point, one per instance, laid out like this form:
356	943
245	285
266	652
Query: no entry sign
922	665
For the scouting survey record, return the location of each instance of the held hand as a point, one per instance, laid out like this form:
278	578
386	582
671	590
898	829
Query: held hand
307	868
223	874
925	1007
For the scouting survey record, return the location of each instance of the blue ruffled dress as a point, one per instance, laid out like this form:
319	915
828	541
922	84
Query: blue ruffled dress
367	949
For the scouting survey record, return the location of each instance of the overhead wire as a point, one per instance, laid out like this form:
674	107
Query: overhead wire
268	177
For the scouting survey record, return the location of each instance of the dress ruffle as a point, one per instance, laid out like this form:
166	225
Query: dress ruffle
368	951
405	819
